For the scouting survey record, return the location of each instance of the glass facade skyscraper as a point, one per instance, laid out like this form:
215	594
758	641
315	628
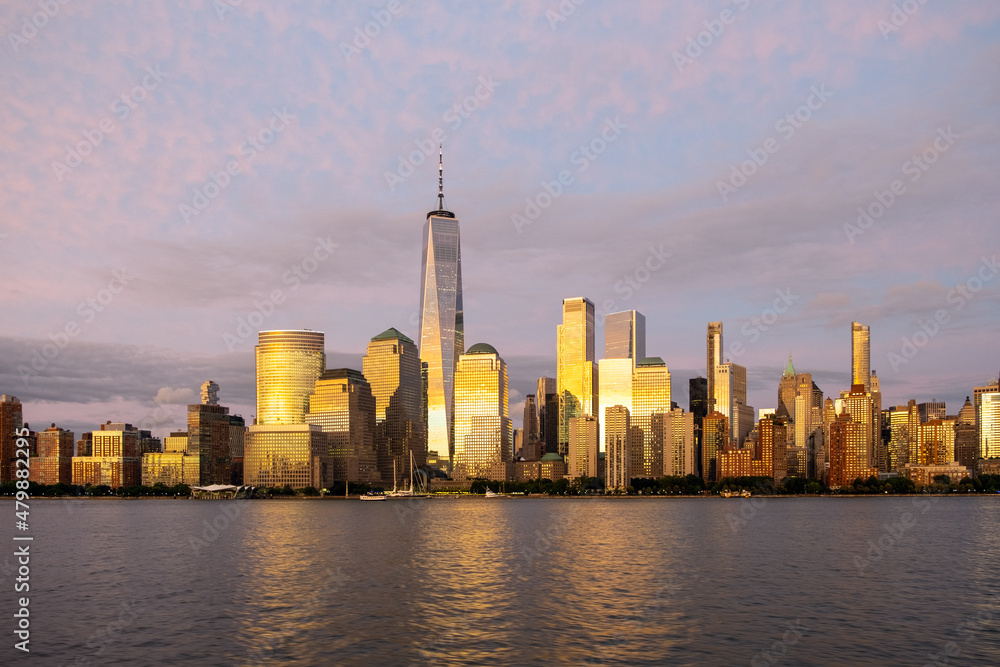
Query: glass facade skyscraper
392	368
861	355
288	363
576	372
482	422
344	408
442	328
713	349
650	397
625	335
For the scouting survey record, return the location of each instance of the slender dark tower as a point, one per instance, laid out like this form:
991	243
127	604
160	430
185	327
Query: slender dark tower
442	329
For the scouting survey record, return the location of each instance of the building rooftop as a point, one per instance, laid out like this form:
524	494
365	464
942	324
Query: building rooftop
651	361
482	348
392	334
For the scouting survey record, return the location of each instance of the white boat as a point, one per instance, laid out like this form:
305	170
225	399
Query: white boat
490	494
403	493
374	496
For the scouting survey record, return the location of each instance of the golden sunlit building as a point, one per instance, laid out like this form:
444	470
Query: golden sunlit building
482	422
650	397
615	378
583	447
858	404
294	455
861	355
678	437
288	364
617	434
442	324
171	468
935	443
713	347
392	368
343	406
115	460
772	443
714	436
848	452
989	425
54	464
577	383
734	462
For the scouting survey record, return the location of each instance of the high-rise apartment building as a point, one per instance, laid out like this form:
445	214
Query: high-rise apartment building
54	464
617	433
209	393
482	423
676	430
442	322
731	400
861	355
858	404
11	421
714	358
625	335
392	368
288	364
115	460
935	443
849	451
714	437
529	425
576	371
583	447
343	406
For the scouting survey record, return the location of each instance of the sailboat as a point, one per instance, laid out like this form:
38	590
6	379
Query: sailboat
403	493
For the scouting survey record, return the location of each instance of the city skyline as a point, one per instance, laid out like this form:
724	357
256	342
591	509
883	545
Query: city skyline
168	263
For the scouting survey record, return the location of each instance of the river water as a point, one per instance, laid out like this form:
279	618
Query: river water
468	581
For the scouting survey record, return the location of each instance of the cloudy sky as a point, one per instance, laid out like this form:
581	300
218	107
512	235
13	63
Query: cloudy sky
171	168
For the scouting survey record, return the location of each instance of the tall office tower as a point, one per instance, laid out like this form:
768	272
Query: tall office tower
714	437
615	386
977	400
530	421
931	410
209	393
442	323
482	423
10	422
858	404
237	447
576	372
583	447
770	459
878	443
989	425
288	363
698	397
966	445
54	464
967	415
343	406
208	428
616	443
860	355
548	415
392	368
731	400
625	335
714	358
650	396
115	460
294	455
848	451
935	443
902	437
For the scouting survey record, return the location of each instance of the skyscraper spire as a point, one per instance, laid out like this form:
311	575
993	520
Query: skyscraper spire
441	177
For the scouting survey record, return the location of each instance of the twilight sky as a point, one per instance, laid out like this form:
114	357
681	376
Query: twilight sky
169	168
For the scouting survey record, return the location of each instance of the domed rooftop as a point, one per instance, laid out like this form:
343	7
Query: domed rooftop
552	456
482	348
